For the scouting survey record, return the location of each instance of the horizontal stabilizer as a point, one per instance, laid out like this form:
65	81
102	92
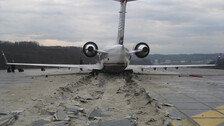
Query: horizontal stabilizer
124	0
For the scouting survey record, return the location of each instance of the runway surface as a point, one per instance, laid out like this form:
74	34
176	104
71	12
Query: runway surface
194	100
199	100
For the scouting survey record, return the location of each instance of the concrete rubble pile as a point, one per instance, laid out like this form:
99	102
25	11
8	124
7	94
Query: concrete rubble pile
8	119
91	102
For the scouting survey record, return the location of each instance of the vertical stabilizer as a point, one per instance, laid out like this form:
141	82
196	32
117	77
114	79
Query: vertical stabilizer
6	61
120	37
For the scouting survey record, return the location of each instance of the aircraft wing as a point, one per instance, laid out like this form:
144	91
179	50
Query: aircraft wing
142	67
83	66
168	66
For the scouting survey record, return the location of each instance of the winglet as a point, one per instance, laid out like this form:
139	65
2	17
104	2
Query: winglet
5	59
218	59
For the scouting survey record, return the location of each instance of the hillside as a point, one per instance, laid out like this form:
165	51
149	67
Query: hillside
32	52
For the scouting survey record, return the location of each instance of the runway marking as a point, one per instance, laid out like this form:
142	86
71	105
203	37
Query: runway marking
211	117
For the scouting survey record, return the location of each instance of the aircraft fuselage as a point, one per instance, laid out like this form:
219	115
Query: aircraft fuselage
116	59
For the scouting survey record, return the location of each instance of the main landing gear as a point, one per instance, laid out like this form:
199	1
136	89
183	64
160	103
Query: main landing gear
127	74
94	72
11	69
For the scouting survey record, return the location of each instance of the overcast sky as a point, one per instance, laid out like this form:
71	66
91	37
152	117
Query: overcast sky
168	26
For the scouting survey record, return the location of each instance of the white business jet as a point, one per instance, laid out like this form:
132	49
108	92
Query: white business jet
115	59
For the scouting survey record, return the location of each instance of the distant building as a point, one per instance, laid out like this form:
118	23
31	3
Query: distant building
182	61
167	61
209	61
175	62
156	61
197	62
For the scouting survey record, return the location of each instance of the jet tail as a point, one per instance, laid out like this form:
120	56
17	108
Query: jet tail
218	59
120	37
5	59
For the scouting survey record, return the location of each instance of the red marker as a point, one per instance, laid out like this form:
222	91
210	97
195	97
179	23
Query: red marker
194	75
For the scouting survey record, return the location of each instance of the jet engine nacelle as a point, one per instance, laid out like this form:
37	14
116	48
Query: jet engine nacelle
142	50
90	49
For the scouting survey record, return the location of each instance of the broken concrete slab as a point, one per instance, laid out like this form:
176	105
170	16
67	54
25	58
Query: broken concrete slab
128	101
152	120
3	113
110	109
96	114
61	123
102	84
40	122
149	98
74	111
83	100
65	89
8	119
119	91
157	105
175	118
61	115
16	112
124	122
167	104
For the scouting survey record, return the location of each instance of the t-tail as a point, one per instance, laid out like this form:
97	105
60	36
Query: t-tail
218	59
5	60
120	36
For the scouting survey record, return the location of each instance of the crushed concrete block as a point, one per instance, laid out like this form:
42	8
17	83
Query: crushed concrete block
74	111
139	112
8	119
3	113
95	113
83	100
119	91
128	101
136	93
65	89
61	115
110	109
157	105
176	118
61	123
40	122
167	114
16	112
150	121
102	84
167	104
123	122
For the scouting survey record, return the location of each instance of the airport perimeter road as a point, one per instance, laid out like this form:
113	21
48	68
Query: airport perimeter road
199	100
